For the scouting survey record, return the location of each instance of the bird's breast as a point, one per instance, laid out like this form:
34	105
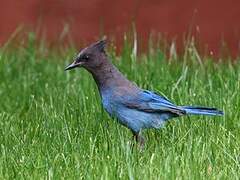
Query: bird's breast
106	101
107	105
114	98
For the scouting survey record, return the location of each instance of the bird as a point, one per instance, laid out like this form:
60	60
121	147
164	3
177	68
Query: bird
132	106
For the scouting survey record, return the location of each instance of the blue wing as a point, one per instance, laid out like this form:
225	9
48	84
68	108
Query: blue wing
151	102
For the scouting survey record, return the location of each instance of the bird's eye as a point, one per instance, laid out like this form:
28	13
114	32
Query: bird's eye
85	57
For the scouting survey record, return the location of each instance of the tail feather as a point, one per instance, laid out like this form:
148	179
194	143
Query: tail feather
202	110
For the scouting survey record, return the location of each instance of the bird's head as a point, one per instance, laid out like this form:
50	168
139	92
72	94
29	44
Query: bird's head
90	57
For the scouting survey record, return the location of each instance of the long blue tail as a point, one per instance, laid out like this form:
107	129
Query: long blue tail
202	110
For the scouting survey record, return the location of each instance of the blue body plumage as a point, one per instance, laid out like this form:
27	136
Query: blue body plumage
146	109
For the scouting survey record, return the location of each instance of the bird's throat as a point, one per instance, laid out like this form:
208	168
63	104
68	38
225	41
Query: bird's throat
108	76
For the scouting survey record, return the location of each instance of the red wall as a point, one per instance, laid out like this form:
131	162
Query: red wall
215	20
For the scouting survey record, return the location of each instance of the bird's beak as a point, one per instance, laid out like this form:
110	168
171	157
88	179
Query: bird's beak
72	66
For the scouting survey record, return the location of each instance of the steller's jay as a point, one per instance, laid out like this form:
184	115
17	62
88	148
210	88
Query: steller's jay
132	106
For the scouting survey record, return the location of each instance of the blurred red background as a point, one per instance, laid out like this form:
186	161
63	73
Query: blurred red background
212	21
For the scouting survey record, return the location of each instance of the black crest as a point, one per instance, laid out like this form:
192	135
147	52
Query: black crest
100	45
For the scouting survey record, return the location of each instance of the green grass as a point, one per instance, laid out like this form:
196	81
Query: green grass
52	124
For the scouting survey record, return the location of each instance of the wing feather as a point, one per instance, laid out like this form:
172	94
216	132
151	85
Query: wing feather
151	102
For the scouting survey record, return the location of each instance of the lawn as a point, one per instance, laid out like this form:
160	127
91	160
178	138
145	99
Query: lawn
52	125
